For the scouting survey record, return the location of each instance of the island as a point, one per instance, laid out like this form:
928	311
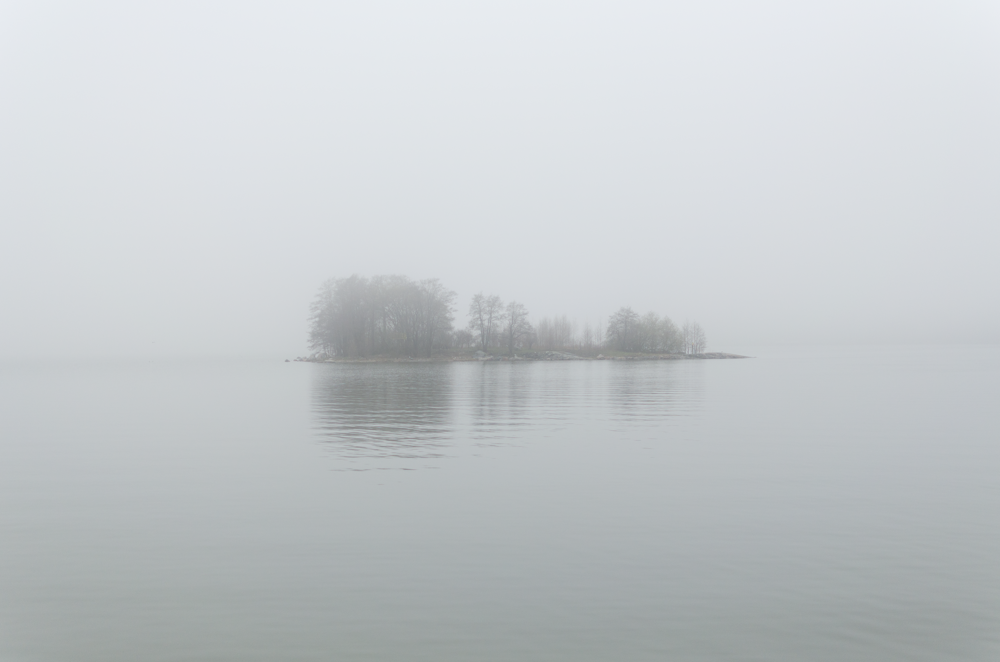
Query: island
396	319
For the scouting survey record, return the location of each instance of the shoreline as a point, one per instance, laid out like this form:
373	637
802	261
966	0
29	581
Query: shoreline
519	358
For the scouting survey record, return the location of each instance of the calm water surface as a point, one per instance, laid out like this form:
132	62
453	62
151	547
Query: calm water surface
809	504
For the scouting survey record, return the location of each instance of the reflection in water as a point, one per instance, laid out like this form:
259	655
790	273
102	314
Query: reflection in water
399	415
384	411
647	392
809	505
498	398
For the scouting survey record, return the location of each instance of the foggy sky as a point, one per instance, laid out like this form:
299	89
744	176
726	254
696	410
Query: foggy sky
178	178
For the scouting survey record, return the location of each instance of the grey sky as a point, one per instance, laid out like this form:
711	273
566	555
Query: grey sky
177	178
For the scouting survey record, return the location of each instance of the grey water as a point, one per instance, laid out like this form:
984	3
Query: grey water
806	504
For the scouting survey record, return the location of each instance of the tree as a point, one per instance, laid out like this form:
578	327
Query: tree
436	307
650	333
484	315
356	316
588	341
464	338
321	318
622	330
647	333
515	324
556	332
693	338
670	336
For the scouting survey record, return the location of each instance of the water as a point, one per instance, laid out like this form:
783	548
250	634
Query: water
809	504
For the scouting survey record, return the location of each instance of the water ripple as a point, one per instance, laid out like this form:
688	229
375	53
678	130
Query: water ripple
405	416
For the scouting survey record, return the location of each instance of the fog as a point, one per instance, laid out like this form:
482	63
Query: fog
178	179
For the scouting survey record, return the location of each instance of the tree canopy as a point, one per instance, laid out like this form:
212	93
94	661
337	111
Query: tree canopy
394	315
358	316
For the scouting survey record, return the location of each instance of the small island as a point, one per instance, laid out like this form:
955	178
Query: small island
396	319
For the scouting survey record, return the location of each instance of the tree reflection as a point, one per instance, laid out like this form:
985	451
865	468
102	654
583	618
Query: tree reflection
402	415
388	411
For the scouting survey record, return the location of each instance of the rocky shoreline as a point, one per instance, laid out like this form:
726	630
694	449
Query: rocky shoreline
524	356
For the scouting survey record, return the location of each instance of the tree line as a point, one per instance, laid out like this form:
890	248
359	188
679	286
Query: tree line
359	316
630	332
394	315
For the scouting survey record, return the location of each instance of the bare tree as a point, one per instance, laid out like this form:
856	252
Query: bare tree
693	338
623	330
699	341
356	316
556	332
320	318
464	339
544	333
436	306
647	337
563	331
669	336
484	315
650	333
515	324
587	338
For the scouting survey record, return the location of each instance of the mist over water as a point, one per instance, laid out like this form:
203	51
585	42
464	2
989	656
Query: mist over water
178	179
393	415
808	504
191	193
